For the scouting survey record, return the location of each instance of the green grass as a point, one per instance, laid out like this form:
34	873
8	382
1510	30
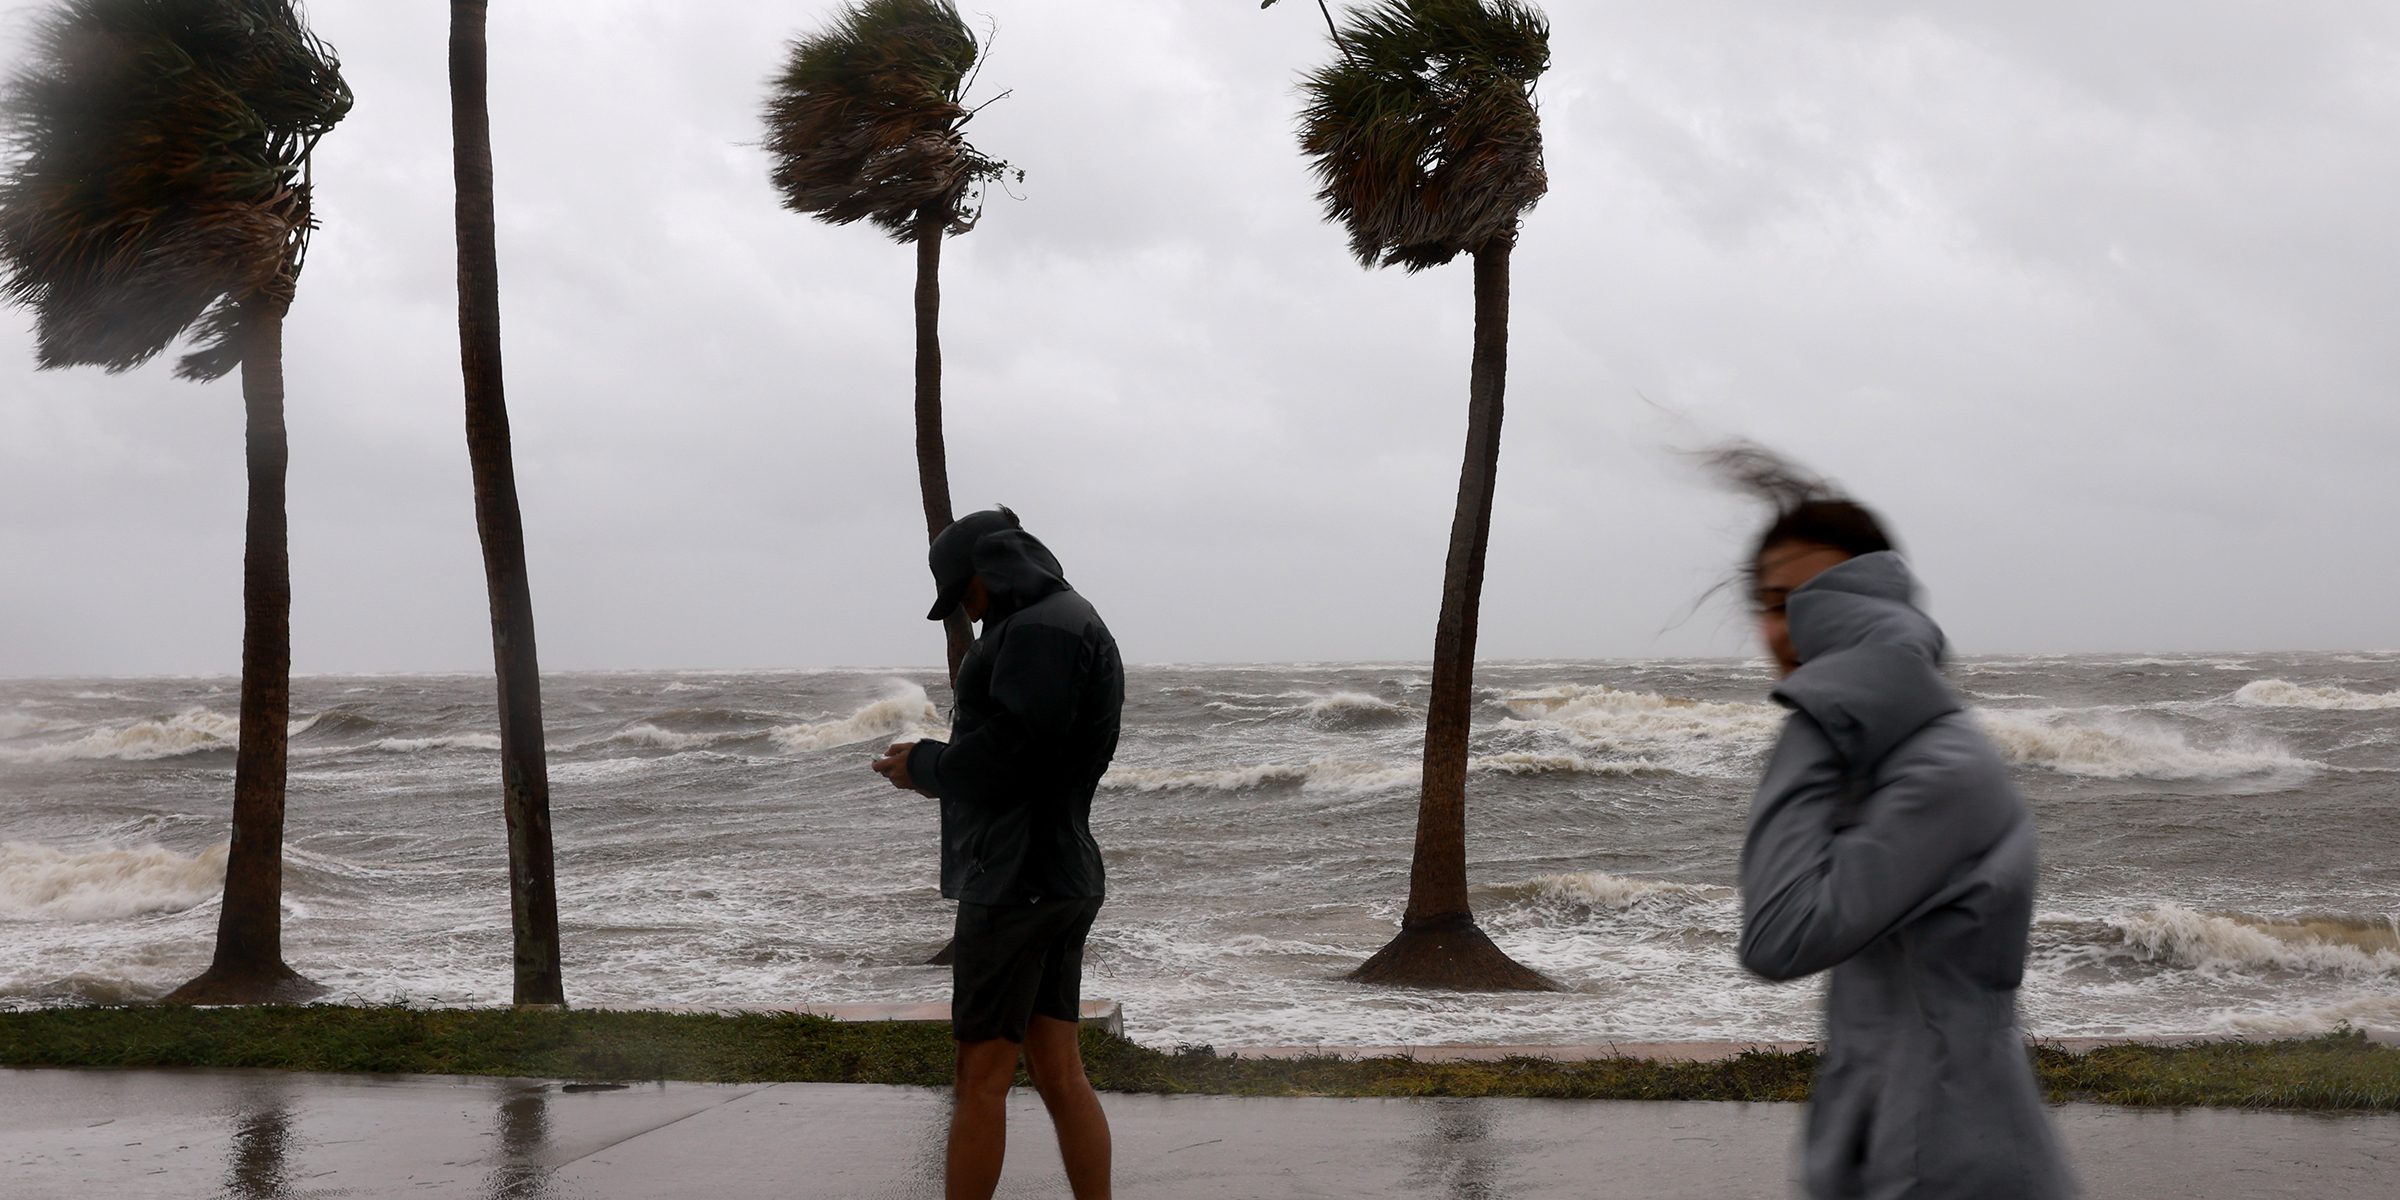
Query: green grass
2337	1071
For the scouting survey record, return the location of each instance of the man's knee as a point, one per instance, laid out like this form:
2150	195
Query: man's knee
1052	1056
988	1067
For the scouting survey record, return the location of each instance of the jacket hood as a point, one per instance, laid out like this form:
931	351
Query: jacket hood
1870	660
1017	570
1870	599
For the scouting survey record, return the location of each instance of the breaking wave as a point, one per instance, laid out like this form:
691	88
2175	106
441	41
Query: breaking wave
1601	890
1356	775
1605	718
45	884
2277	693
2238	942
2099	748
195	730
901	716
651	736
192	731
1352	710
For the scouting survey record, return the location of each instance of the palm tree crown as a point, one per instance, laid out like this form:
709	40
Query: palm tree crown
160	178
864	121
1423	128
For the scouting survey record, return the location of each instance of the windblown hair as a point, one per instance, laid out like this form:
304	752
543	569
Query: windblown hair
158	180
864	122
1808	508
1424	130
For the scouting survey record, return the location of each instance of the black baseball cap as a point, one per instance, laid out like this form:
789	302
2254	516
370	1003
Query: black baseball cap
952	556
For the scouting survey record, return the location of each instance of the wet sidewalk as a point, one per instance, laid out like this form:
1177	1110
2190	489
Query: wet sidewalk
251	1135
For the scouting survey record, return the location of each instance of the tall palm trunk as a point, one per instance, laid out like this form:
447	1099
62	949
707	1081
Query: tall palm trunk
933	461
1439	944
524	770
249	967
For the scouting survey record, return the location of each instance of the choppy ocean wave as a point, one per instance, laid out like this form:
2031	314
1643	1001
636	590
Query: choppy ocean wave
903	716
2185	937
2277	693
1600	890
721	842
2113	745
195	730
1609	718
447	741
1358	775
42	883
191	731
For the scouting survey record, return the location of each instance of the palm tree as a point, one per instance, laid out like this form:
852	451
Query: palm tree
524	764
160	188
864	124
1427	145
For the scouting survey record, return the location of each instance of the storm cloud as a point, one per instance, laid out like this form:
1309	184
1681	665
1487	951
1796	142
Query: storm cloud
2096	303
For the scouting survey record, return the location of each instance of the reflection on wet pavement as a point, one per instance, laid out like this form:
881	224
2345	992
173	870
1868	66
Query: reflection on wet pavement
1457	1157
524	1129
258	1167
260	1135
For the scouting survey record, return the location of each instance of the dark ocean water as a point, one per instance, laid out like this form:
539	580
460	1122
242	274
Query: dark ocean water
2221	843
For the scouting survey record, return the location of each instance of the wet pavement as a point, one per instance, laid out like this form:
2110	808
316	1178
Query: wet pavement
255	1135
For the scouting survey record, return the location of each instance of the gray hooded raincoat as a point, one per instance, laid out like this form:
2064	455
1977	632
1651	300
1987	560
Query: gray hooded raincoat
1887	845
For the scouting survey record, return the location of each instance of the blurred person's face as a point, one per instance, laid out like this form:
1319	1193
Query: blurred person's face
1781	568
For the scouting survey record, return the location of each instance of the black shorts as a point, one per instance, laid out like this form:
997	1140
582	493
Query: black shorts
1011	961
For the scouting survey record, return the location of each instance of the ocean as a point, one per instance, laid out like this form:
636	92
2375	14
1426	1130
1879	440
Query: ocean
2220	843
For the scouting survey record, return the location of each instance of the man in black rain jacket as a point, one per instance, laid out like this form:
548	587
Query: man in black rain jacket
1039	697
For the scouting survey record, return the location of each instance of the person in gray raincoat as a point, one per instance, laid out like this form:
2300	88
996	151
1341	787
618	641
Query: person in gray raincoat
1887	845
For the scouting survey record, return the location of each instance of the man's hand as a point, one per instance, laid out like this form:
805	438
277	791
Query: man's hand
894	765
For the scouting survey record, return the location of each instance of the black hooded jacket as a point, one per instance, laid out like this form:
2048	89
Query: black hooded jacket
1039	699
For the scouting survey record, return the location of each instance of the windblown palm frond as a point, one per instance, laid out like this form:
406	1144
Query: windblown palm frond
159	174
864	121
1424	130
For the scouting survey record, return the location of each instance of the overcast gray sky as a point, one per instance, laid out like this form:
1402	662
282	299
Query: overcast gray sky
2099	303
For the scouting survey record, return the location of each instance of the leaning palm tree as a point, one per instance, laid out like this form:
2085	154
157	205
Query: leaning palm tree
1427	146
159	188
524	755
864	125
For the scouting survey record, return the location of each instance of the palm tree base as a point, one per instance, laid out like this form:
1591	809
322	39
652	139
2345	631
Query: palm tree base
1452	955
219	985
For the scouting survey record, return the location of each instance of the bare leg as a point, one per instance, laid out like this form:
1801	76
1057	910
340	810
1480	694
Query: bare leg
1056	1064
979	1118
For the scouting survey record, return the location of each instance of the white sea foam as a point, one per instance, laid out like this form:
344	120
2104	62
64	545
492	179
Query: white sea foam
2235	942
2277	693
901	716
1356	775
2373	1010
41	883
2107	746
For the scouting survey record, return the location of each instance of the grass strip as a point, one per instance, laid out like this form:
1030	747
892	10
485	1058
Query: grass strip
2341	1070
